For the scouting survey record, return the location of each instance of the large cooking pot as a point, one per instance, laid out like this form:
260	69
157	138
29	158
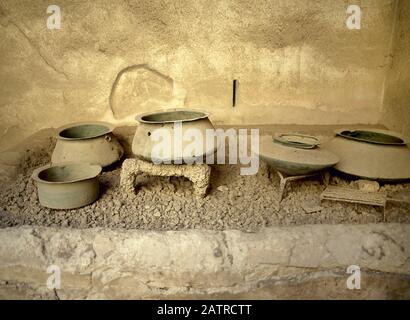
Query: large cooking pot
88	143
295	154
373	154
67	186
176	125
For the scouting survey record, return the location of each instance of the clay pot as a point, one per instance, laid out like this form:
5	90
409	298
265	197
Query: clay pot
175	123
295	154
371	154
88	143
67	186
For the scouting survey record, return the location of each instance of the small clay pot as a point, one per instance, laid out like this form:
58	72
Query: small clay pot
89	143
67	186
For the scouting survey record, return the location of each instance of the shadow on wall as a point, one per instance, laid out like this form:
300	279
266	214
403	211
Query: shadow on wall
137	86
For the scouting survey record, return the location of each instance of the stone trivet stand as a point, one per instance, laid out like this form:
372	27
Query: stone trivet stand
134	172
284	179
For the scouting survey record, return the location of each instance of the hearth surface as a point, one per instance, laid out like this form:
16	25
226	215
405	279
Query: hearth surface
239	202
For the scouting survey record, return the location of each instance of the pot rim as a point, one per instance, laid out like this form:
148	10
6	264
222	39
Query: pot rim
140	117
391	133
35	175
108	125
281	137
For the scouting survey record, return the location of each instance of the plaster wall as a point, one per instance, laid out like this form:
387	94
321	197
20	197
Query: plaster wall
396	106
295	62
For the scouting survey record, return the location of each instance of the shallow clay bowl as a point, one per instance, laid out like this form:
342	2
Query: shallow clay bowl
67	186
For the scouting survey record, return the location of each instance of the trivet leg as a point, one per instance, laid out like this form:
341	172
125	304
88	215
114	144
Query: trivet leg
127	178
384	213
200	177
326	178
282	186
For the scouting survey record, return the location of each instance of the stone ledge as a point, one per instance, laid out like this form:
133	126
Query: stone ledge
107	263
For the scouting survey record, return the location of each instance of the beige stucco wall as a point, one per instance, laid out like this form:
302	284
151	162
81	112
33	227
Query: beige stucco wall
396	111
295	61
